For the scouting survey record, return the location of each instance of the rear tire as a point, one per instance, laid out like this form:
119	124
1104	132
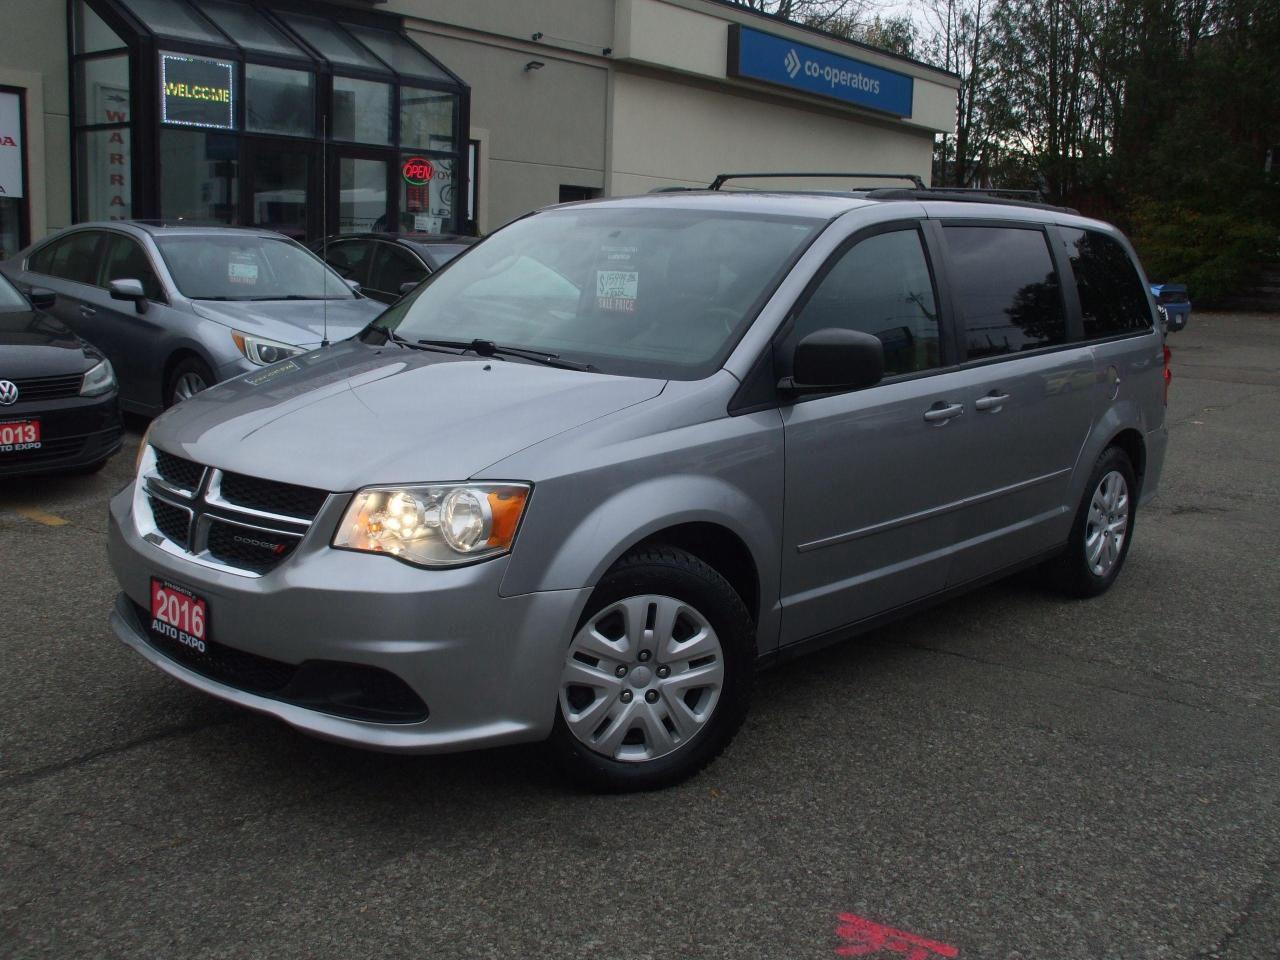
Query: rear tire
188	377
657	677
1103	529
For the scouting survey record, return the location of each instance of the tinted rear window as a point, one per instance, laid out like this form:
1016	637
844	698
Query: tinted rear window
1112	300
1007	288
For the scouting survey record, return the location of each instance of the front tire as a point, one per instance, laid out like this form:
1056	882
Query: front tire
1103	529
657	677
189	377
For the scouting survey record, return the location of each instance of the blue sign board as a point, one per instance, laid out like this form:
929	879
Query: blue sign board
754	55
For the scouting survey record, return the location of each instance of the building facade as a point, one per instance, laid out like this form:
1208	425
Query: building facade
430	115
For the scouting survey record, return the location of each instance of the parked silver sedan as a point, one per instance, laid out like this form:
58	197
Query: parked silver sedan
178	308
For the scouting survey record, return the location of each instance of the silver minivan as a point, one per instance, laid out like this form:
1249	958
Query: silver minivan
586	479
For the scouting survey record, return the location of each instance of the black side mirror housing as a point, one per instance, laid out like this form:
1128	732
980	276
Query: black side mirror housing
127	289
835	359
42	298
407	288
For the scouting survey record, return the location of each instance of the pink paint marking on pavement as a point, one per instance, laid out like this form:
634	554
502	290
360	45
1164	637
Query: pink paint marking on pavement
861	937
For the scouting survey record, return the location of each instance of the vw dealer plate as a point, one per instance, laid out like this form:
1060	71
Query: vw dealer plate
19	435
178	614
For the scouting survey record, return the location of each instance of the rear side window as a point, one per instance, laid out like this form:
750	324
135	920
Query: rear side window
128	261
73	257
1112	300
1007	288
392	267
350	258
881	286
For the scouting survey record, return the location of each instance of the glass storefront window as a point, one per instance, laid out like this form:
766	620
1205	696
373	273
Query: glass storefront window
428	207
361	111
403	57
426	118
332	43
279	200
279	100
249	28
105	185
92	35
362	197
102	94
199	176
10	226
169	19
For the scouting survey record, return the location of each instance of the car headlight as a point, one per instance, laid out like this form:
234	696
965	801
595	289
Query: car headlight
434	525
262	351
99	380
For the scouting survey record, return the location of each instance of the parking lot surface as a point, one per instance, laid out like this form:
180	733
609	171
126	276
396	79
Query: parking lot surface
1010	775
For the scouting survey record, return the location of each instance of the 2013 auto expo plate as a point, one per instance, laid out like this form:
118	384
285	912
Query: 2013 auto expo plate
178	614
19	435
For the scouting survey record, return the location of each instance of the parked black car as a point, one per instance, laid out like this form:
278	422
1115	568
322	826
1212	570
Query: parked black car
58	409
384	263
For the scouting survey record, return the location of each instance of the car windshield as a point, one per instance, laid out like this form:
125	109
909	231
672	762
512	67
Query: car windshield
657	292
10	298
245	267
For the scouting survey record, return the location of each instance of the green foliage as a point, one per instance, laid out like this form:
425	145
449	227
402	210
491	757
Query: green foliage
1214	253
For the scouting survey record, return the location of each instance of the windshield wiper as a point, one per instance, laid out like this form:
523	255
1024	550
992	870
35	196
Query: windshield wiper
409	344
487	348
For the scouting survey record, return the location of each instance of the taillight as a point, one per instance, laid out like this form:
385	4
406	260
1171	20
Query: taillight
1168	374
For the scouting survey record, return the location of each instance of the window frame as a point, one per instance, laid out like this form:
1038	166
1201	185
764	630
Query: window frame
782	345
1066	290
68	236
1072	290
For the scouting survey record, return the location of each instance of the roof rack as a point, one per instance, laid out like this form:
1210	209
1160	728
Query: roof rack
720	179
964	196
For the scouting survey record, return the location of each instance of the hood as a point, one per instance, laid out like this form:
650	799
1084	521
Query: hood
356	415
34	344
299	322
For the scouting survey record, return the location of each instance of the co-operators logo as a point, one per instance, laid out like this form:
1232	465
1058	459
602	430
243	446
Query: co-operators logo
792	63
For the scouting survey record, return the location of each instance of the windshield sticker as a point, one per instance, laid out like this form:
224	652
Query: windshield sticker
617	289
269	374
241	271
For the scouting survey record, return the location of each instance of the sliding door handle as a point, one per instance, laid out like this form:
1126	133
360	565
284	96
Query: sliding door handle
941	412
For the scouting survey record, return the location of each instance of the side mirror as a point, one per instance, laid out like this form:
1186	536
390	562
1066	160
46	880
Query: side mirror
407	288
354	285
129	290
835	359
42	298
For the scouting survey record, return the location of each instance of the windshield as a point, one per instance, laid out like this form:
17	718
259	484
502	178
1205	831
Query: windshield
654	292
10	298
242	267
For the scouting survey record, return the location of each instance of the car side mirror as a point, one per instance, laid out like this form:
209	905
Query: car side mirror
835	359
407	288
354	285
129	290
42	298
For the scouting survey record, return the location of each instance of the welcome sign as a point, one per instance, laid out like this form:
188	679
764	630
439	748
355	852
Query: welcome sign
754	55
197	91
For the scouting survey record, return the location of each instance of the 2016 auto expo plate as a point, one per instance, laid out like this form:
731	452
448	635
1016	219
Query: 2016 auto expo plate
19	435
178	614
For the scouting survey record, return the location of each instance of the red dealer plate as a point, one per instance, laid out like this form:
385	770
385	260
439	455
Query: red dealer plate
178	614
18	435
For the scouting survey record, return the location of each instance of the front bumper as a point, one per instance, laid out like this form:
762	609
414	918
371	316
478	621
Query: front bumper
486	666
75	432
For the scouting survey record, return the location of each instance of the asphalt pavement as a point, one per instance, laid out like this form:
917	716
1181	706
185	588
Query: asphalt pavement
1010	775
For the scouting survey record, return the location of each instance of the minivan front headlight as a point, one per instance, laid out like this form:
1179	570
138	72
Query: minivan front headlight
262	351
99	380
434	525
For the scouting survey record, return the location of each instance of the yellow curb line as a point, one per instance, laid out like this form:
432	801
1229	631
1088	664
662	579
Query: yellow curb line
39	516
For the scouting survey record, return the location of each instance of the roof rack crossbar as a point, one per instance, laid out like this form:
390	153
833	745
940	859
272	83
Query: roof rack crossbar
720	179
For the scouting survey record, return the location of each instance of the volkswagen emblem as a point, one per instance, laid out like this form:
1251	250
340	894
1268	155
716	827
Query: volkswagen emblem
8	393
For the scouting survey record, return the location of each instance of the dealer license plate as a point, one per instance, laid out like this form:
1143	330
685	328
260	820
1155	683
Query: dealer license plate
178	614
19	435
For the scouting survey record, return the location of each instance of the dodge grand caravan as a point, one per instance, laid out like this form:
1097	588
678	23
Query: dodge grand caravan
581	482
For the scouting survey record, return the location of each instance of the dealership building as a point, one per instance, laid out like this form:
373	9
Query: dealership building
429	115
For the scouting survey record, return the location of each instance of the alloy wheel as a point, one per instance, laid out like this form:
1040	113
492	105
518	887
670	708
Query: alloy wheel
1107	524
641	678
187	386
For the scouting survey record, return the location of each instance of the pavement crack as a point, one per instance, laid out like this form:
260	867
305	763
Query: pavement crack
1242	918
52	769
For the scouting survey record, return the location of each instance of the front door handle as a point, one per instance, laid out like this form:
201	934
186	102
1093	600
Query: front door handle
941	412
992	402
87	311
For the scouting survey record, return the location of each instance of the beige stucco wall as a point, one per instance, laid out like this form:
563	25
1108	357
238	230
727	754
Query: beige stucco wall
667	133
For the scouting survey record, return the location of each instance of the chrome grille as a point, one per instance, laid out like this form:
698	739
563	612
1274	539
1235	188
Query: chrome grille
245	525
